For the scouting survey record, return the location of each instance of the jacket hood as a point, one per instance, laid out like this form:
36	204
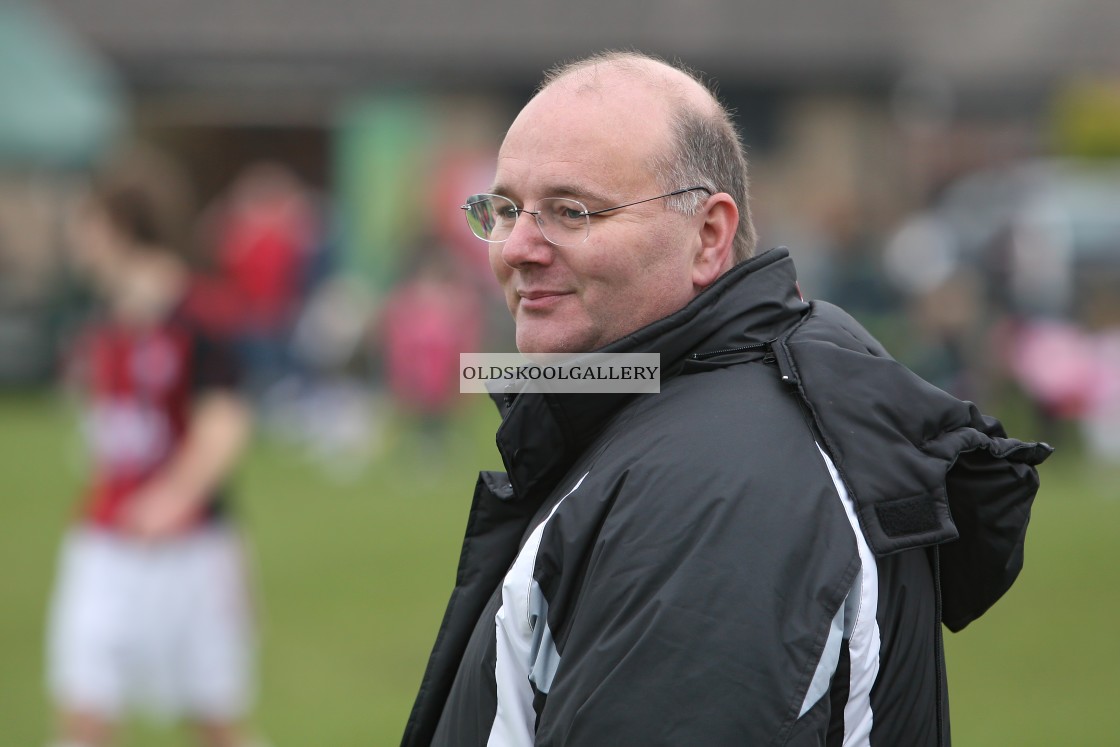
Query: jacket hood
924	468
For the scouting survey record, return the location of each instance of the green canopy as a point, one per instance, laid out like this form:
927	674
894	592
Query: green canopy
60	105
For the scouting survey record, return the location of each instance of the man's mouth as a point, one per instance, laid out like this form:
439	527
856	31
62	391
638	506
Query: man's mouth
532	300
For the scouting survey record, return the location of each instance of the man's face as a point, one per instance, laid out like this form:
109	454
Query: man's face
594	146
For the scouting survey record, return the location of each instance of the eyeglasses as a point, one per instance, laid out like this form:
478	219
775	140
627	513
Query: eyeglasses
562	221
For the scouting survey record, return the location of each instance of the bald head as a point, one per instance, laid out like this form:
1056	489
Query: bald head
703	146
593	73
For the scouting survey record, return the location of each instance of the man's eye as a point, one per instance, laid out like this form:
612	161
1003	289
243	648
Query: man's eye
566	212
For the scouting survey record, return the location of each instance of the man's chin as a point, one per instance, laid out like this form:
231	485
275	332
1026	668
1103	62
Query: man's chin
531	342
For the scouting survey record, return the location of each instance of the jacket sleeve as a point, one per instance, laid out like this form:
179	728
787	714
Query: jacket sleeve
701	606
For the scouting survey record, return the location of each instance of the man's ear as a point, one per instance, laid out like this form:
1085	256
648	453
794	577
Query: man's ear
714	254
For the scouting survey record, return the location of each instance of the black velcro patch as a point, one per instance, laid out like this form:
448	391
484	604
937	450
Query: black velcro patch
907	516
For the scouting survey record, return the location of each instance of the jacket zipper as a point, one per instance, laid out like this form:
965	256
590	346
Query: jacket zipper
725	351
785	365
775	353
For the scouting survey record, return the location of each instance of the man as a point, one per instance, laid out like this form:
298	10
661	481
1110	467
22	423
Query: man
151	609
763	552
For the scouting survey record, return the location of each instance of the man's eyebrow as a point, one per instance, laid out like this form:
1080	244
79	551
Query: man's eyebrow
580	192
498	189
569	190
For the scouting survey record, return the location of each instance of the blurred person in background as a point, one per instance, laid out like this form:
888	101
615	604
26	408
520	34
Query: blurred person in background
262	236
151	610
762	553
425	323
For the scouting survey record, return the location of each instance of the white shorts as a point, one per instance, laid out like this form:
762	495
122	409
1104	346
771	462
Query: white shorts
161	627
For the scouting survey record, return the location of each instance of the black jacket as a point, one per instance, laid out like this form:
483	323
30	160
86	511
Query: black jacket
760	554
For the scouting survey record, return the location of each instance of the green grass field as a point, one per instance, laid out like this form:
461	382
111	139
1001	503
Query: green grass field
353	574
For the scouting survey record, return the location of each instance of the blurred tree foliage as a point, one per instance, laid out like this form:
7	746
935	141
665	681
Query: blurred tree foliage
1086	119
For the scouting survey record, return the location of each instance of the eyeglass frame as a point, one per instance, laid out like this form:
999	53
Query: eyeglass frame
585	213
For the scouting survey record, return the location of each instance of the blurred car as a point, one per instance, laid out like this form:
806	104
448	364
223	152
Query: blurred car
1044	236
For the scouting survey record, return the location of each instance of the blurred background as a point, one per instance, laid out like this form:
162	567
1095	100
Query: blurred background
948	172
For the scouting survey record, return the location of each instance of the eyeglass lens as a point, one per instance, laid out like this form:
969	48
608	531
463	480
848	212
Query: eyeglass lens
561	221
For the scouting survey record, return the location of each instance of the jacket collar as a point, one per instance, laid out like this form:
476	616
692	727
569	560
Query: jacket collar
542	435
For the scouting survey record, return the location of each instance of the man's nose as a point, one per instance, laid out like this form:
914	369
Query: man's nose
526	244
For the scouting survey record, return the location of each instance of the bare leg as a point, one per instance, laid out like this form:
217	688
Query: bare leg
84	728
220	734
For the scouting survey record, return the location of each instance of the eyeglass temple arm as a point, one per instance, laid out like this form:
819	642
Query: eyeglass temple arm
674	193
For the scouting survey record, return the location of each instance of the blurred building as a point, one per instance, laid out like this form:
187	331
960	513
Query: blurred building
828	82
